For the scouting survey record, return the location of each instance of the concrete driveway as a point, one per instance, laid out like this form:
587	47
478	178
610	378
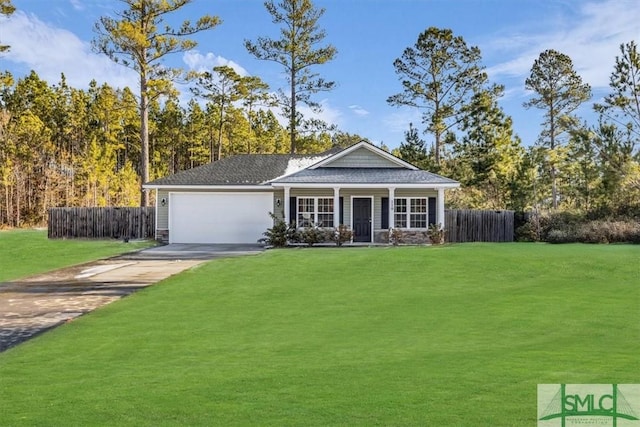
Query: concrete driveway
33	305
184	251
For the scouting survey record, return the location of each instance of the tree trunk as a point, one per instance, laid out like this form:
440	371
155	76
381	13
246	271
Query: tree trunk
17	204
292	119
144	139
221	118
211	151
552	142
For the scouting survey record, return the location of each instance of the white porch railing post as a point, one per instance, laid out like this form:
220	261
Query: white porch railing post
285	203
392	195
440	204
336	207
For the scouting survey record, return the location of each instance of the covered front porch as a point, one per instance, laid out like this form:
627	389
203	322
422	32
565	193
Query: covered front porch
371	212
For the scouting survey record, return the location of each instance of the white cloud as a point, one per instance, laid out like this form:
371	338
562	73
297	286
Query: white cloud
198	62
50	51
591	38
358	110
77	4
328	114
398	122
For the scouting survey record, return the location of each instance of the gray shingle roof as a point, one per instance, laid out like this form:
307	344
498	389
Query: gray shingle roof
364	176
242	169
263	169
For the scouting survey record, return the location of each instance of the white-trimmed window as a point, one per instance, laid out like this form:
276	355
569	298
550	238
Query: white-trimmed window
315	211
410	212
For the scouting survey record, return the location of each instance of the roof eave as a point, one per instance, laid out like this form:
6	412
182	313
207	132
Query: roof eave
262	187
443	185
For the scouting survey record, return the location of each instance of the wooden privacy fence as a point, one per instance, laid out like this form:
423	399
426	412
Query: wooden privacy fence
102	223
479	226
139	223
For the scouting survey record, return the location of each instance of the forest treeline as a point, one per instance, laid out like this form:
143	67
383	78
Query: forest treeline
66	146
63	146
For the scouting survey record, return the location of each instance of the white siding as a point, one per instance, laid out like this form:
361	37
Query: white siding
162	212
362	158
311	192
278	211
409	192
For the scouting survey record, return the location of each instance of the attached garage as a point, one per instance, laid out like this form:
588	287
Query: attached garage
219	217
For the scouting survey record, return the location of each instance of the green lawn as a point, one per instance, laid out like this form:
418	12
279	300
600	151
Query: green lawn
27	252
455	335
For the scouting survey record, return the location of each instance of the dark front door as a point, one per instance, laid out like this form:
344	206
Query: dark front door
362	220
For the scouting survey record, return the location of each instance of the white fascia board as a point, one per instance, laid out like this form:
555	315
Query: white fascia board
370	147
372	186
209	187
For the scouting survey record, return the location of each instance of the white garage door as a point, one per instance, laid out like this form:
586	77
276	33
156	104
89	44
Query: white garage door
219	217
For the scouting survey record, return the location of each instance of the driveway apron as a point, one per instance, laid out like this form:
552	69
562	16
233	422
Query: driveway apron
36	304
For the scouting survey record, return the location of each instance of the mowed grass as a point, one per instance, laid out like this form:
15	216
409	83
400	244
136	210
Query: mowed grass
456	335
27	252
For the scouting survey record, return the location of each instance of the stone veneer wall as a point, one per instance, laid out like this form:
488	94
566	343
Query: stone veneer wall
408	237
162	236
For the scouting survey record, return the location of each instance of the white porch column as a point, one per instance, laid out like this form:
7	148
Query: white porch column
392	192
336	207
440	205
285	203
155	230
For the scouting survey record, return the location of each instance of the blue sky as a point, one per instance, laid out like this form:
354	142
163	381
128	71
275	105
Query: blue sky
53	37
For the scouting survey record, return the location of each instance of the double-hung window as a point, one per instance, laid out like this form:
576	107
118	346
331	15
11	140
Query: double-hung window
315	211
400	213
410	212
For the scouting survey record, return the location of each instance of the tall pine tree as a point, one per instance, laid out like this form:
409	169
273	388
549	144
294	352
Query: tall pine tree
298	50
140	40
559	91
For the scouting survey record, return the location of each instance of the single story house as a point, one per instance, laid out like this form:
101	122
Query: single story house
362	186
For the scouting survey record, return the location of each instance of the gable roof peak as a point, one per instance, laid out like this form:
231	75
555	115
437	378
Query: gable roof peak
368	146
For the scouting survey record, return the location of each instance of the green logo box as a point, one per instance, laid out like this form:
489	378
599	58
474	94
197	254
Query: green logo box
592	405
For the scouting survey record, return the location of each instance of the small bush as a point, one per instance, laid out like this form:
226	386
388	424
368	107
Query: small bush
527	232
275	236
610	232
313	235
341	235
568	222
567	227
293	234
435	232
593	232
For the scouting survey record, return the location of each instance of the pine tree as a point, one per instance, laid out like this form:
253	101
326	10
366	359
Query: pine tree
559	92
222	88
438	76
412	149
297	51
622	106
140	40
